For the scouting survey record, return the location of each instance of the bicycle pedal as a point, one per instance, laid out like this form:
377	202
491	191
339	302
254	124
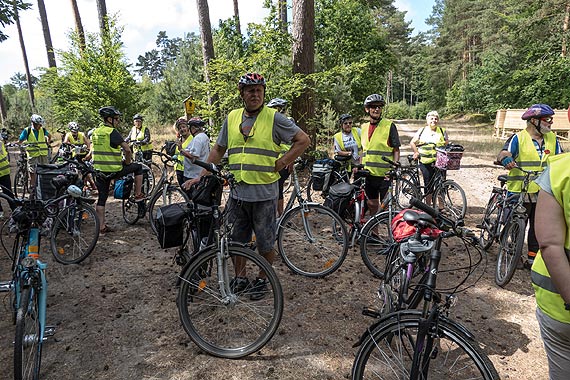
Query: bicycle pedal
5	286
49	331
370	312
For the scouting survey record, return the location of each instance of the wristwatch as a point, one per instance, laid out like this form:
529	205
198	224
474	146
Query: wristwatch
567	306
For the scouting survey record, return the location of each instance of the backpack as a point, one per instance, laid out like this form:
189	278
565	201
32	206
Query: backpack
338	200
123	187
207	192
402	230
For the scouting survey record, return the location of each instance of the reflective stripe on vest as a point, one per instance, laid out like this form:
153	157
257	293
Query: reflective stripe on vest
36	147
253	161
427	151
377	147
105	158
139	136
4	163
529	159
547	297
180	158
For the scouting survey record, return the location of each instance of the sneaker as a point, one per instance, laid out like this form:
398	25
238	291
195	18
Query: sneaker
239	284
258	290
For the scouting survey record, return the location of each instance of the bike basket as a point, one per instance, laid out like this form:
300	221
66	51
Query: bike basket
402	230
46	189
123	187
170	225
449	158
339	198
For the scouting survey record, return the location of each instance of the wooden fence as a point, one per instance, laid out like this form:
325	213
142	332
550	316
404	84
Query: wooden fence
509	121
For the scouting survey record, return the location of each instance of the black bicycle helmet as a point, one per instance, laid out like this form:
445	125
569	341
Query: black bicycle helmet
536	111
138	116
196	122
108	111
251	79
344	117
277	103
374	98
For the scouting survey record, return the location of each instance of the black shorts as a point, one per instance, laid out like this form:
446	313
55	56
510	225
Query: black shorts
103	184
376	187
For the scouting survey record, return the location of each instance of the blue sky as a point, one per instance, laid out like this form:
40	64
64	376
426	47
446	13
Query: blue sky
140	25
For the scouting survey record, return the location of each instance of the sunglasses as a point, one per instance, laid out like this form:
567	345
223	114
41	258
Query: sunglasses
347	122
375	107
547	119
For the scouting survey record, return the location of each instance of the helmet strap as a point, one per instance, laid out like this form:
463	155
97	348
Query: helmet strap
536	127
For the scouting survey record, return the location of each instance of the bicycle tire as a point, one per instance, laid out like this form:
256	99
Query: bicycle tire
387	352
151	176
453	198
132	210
490	222
20	184
322	251
376	242
74	233
27	342
510	250
235	326
174	194
404	191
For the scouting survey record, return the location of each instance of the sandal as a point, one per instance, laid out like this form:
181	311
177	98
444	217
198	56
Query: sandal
140	197
105	230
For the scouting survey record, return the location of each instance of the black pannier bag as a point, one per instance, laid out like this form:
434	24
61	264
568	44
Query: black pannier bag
207	191
321	173
338	199
170	225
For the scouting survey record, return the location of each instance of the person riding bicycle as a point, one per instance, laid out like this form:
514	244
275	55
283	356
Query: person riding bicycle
141	135
379	138
183	138
107	158
253	136
197	149
38	139
551	270
281	106
423	144
347	142
529	149
78	139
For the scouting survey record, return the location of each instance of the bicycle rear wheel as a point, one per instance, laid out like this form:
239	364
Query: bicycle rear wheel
173	194
74	233
312	240
21	184
376	243
235	325
451	197
510	249
388	351
490	222
133	211
405	190
27	343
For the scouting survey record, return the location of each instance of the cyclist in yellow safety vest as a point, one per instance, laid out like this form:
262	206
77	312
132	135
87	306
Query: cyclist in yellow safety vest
529	149
107	158
379	138
424	143
184	137
347	142
141	134
78	139
550	272
253	136
5	174
38	140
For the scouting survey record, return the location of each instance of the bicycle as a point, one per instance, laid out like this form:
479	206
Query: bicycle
28	285
217	313
422	344
504	221
317	233
326	174
21	185
151	175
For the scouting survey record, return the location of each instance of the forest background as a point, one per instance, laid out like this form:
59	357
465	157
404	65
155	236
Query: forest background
477	56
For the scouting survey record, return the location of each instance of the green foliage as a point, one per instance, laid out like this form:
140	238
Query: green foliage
7	14
397	110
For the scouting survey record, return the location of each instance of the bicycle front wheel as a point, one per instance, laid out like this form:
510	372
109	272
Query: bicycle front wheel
20	184
132	211
231	323
376	243
451	197
27	343
74	233
173	194
510	249
388	351
490	222
312	240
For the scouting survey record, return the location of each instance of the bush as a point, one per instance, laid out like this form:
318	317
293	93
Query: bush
399	110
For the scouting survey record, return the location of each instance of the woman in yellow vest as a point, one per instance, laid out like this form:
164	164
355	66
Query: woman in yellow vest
78	140
423	144
530	149
550	272
347	142
4	174
141	134
184	137
38	139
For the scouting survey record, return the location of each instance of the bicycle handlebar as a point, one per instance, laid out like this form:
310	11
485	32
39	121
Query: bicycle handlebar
443	222
393	163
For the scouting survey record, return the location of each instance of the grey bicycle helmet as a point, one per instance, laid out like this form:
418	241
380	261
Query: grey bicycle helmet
37	119
277	103
374	98
138	116
73	126
344	117
108	111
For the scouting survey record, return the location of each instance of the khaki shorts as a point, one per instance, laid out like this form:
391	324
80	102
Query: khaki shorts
34	161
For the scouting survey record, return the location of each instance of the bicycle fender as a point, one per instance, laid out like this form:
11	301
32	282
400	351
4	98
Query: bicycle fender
378	216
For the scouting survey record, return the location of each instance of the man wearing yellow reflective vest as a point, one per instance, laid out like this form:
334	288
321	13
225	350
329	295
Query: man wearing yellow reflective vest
107	158
5	174
253	136
140	135
550	272
37	138
379	138
529	149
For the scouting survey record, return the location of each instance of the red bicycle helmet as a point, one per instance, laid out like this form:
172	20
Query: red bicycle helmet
251	79
537	111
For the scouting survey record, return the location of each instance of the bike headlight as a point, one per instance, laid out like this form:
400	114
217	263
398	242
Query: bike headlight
28	262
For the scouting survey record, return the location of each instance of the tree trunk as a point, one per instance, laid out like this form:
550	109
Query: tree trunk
3	111
102	11
236	16
565	29
25	57
303	109
78	26
47	34
206	36
282	6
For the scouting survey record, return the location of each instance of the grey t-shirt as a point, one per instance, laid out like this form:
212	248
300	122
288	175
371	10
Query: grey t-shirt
543	180
283	132
198	147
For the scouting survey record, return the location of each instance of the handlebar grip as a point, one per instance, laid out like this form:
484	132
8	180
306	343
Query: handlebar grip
211	167
422	206
393	163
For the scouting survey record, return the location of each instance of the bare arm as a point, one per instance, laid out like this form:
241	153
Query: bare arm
300	143
550	228
128	153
